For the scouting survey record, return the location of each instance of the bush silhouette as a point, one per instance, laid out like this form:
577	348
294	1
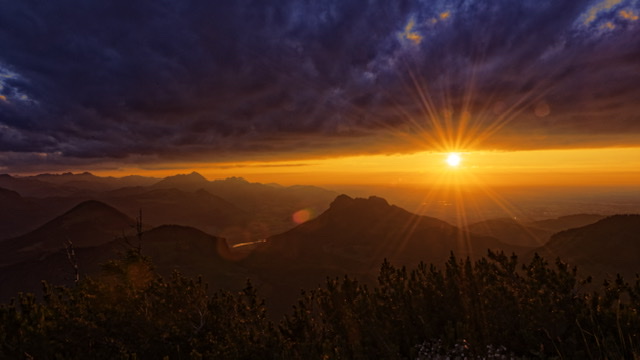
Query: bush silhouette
493	307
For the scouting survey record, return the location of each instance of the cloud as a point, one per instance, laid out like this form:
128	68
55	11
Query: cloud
598	9
153	81
410	34
628	14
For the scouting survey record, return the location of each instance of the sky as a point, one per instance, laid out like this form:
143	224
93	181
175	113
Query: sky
339	89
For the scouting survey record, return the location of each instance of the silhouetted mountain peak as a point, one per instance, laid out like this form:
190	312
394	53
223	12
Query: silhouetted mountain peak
237	179
196	174
360	232
173	231
367	217
66	175
344	202
341	201
191	178
378	201
191	181
92	205
90	223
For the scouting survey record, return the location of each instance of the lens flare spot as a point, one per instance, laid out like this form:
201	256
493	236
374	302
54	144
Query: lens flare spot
542	109
301	216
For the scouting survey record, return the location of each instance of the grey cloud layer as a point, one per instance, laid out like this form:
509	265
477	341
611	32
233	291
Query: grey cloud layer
193	79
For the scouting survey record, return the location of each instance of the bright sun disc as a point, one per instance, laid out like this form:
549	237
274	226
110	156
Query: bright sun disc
453	159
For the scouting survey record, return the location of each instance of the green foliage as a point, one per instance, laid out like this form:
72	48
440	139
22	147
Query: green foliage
493	307
537	311
130	312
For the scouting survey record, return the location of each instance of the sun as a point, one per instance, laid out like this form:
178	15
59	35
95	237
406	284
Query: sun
454	159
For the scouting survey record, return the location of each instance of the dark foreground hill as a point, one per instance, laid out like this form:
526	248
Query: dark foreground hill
88	224
200	209
354	236
567	222
354	233
531	234
603	249
171	247
511	231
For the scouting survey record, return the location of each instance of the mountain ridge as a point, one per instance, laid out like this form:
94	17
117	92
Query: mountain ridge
361	222
89	223
530	233
171	248
601	249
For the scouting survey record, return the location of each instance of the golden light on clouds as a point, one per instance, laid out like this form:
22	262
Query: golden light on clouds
448	126
628	14
408	34
608	25
593	12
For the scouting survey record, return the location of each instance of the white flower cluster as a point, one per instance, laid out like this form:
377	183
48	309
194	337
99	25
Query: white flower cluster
433	350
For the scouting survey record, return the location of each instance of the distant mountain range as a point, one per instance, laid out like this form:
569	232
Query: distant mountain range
190	224
67	184
271	207
235	208
199	208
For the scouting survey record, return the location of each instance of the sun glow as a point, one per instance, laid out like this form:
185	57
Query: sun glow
454	159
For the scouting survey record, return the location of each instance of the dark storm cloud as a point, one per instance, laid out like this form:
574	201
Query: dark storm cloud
140	81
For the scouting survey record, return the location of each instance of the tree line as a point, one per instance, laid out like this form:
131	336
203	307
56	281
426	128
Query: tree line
491	308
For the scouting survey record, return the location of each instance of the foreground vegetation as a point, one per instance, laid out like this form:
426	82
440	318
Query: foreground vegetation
493	308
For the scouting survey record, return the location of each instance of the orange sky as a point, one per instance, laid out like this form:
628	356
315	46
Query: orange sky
572	167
